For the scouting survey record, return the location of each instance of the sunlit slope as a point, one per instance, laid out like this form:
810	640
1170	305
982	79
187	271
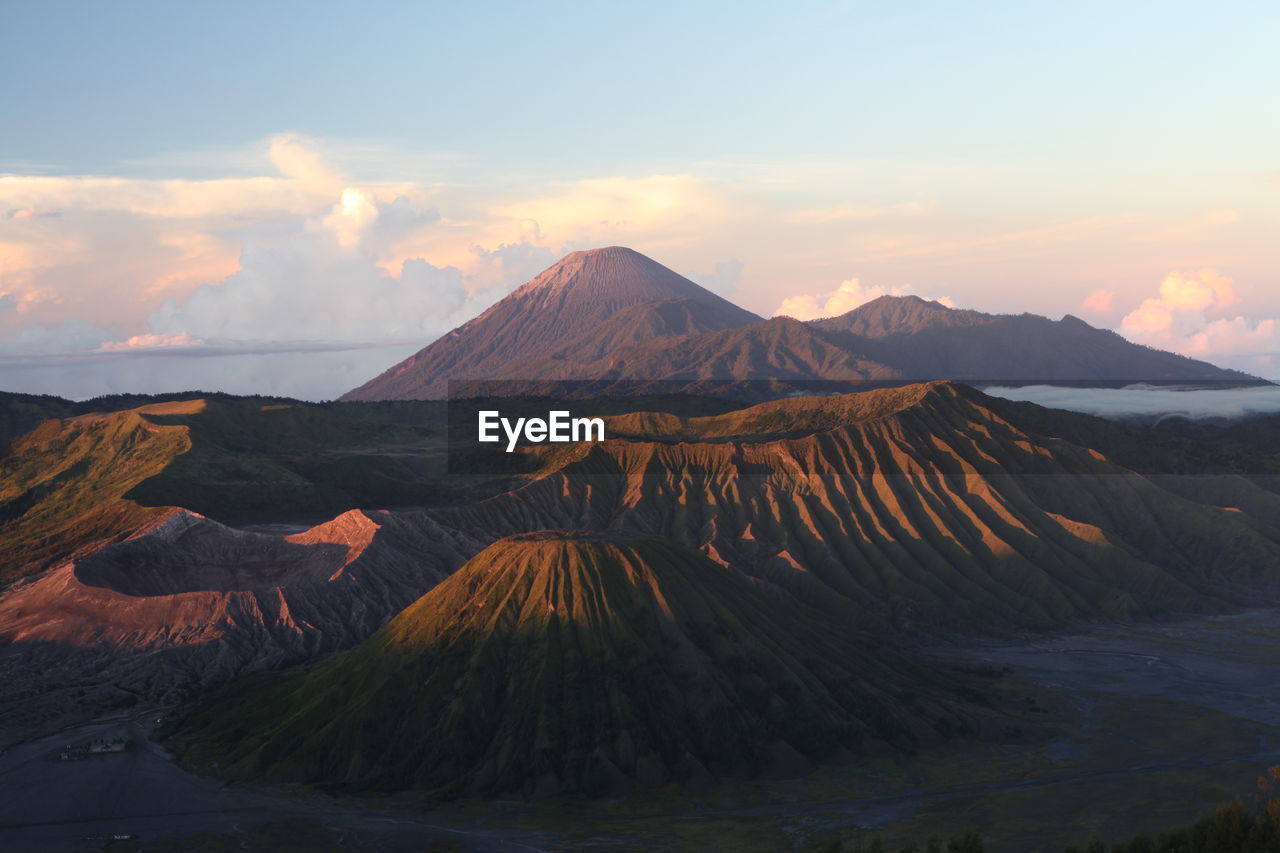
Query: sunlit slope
928	506
63	485
561	663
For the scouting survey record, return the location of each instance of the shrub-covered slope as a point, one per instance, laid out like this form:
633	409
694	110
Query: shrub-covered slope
577	663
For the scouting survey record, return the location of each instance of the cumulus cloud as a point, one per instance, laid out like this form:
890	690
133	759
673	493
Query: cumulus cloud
507	266
310	290
850	294
298	158
722	280
351	217
314	279
1186	317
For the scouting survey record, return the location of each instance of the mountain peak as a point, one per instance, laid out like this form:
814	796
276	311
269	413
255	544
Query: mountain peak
611	273
895	315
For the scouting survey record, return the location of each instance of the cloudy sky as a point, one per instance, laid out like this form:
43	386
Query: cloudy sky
290	197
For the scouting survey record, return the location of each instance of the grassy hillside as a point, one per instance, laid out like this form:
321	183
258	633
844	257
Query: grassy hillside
62	486
76	480
79	473
577	663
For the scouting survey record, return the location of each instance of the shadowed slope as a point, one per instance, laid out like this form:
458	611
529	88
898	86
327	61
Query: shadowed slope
185	604
72	485
575	663
781	348
927	340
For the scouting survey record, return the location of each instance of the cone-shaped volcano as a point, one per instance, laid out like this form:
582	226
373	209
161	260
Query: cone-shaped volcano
560	662
587	302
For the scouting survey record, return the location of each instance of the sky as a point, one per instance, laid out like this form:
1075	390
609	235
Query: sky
288	198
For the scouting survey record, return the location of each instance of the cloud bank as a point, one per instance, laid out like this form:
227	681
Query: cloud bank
1147	401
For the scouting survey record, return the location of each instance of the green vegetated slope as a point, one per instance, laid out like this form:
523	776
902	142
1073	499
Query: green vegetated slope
578	663
254	461
62	486
77	475
931	506
76	480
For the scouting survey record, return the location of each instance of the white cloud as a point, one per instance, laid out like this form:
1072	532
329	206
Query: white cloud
1181	319
69	336
722	280
310	290
351	217
297	157
850	294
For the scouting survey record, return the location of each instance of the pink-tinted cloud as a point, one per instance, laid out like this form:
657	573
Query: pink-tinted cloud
1181	319
140	342
33	213
1098	302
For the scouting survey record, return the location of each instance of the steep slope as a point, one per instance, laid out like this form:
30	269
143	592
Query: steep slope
930	506
780	348
571	313
925	340
575	663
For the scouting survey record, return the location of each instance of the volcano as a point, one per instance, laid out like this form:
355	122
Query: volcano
575	312
584	663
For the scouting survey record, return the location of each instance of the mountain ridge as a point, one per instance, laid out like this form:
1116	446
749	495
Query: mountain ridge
611	315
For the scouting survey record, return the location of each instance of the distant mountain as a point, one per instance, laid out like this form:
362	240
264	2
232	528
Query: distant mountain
579	310
612	315
578	663
926	340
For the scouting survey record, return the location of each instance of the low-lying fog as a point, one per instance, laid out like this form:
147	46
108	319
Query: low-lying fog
1149	401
